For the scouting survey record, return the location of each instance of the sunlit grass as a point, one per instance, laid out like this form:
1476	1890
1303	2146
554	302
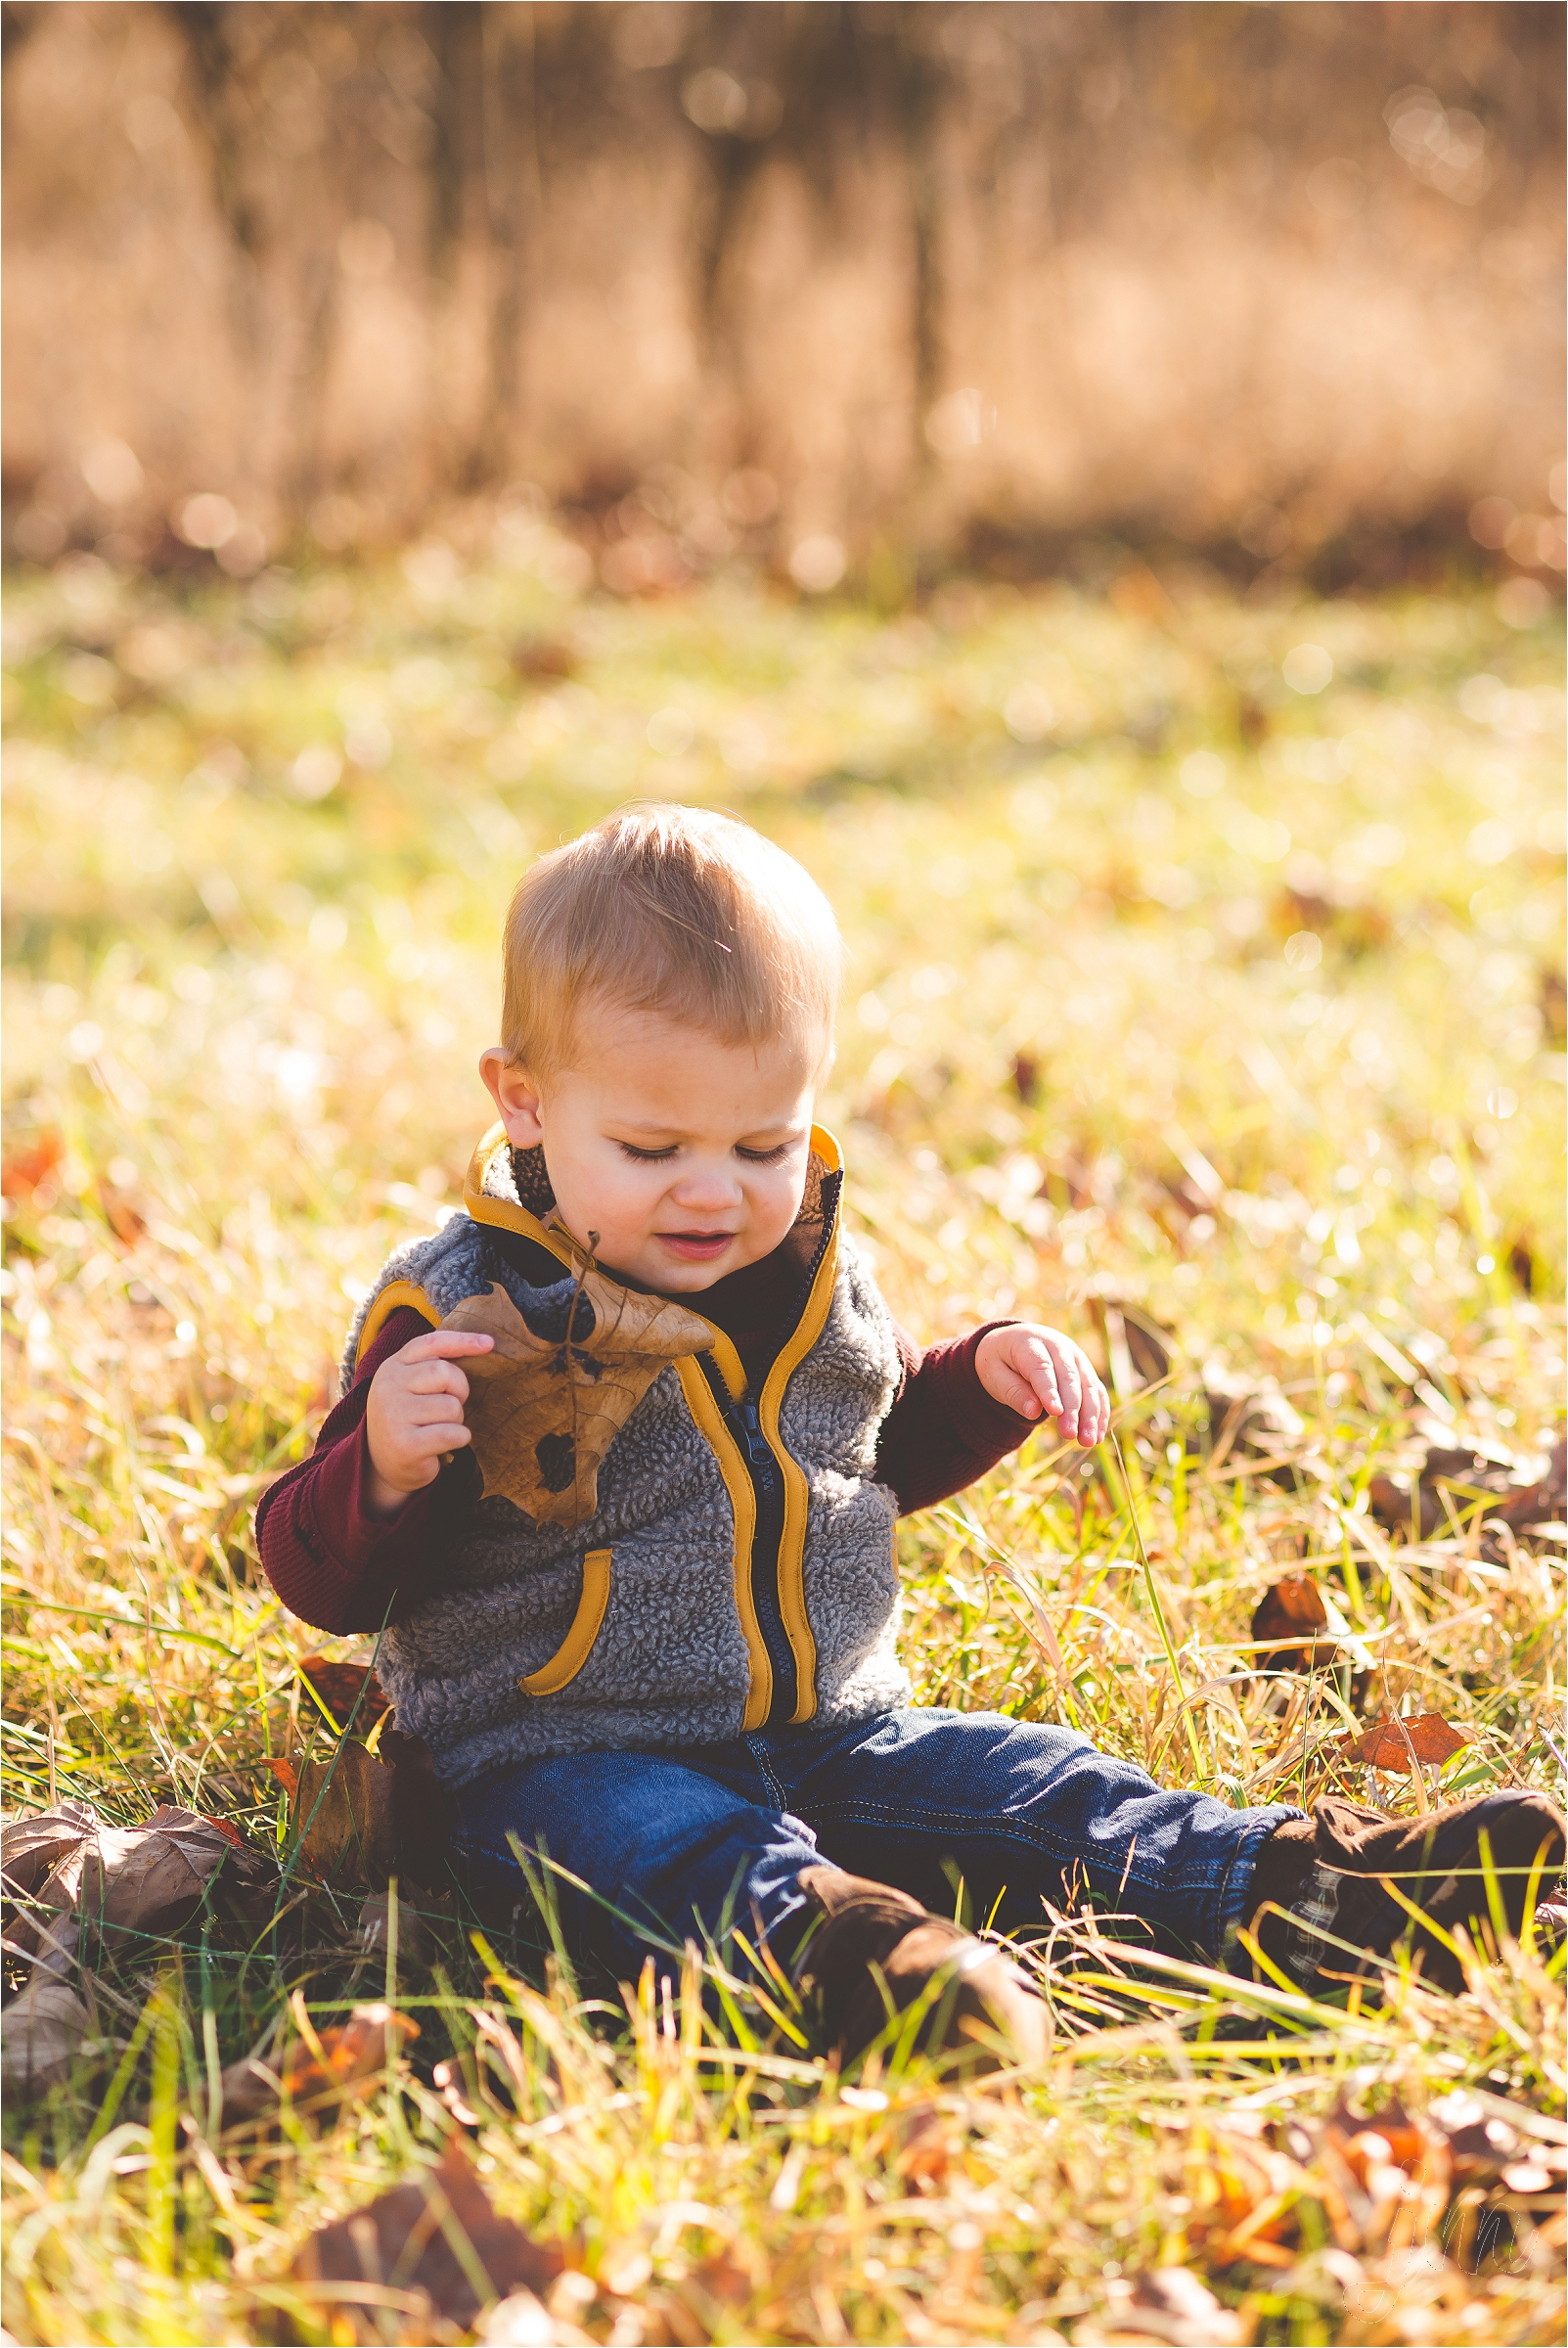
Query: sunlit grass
1172	986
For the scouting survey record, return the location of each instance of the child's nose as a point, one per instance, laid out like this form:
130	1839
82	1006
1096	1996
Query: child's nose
707	1187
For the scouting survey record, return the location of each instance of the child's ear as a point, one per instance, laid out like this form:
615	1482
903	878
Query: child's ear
515	1096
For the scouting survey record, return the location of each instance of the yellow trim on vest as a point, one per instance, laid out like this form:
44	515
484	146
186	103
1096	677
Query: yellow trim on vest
564	1248
395	1294
586	1624
731	1366
792	1541
709	1419
827	1149
500	1211
743	1500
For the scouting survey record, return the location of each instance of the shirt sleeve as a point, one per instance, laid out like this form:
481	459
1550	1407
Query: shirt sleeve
328	1559
944	1431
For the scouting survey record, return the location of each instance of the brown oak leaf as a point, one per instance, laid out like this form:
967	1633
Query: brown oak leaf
132	1883
44	2024
148	1881
42	1859
409	2239
1286	1610
343	1813
1456	1483
363	1817
1400	1743
30	1848
544	1409
1134	1346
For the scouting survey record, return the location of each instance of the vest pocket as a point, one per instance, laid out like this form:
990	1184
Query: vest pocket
573	1653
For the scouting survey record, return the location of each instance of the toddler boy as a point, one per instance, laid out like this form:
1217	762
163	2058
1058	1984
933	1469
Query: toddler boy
640	1589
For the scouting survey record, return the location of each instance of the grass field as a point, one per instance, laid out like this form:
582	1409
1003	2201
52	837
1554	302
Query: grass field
1206	962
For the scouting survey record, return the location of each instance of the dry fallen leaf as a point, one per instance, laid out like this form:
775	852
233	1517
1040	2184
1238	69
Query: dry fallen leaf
348	1691
365	1817
1248	1419
315	2079
545	1404
149	1880
343	1814
40	2032
1391	2138
1414	1500
405	2240
1133	1346
1286	1608
1400	1743
132	1883
42	1859
373	1929
32	1848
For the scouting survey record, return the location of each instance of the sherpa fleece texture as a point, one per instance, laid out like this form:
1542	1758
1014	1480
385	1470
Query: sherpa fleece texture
669	1667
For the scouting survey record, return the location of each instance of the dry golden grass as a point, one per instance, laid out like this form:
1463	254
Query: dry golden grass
1174	987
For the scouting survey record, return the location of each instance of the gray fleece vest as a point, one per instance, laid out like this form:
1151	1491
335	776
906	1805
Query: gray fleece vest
739	1567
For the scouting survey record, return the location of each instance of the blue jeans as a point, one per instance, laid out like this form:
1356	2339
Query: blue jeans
679	1847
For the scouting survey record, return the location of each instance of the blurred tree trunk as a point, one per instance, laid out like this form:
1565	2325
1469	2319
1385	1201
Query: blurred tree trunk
1258	274
511	147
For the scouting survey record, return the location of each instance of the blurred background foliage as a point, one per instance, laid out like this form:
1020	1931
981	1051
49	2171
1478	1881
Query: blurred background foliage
864	290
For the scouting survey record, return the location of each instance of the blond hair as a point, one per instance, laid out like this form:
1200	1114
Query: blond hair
674	909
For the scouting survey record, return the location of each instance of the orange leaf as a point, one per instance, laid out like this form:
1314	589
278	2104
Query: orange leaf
25	1169
1285	1607
286	1774
350	2052
1400	1743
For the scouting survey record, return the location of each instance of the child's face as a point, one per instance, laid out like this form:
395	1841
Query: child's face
685	1155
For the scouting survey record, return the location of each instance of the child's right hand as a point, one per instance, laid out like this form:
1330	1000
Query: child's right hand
414	1415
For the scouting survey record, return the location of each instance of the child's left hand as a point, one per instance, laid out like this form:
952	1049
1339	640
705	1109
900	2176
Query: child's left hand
1038	1372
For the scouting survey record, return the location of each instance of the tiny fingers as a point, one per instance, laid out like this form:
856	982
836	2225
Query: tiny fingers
1069	1384
433	1410
1094	1412
433	1376
428	1439
445	1344
1040	1396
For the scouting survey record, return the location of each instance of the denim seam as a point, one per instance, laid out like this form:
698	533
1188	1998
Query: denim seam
966	1822
773	1787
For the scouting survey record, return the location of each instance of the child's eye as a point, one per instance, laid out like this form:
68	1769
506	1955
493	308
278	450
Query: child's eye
647	1157
765	1158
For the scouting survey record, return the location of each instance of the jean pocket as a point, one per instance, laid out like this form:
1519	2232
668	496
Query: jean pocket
578	1645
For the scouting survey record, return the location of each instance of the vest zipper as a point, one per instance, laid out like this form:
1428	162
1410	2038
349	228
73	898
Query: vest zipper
766	1482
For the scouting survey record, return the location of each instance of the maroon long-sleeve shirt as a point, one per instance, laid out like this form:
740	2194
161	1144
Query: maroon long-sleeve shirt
343	1569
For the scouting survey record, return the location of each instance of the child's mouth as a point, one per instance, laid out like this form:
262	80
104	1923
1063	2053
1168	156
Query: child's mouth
696	1246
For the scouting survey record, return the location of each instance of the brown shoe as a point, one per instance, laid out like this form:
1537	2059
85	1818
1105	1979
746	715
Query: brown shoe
980	1994
1328	1875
